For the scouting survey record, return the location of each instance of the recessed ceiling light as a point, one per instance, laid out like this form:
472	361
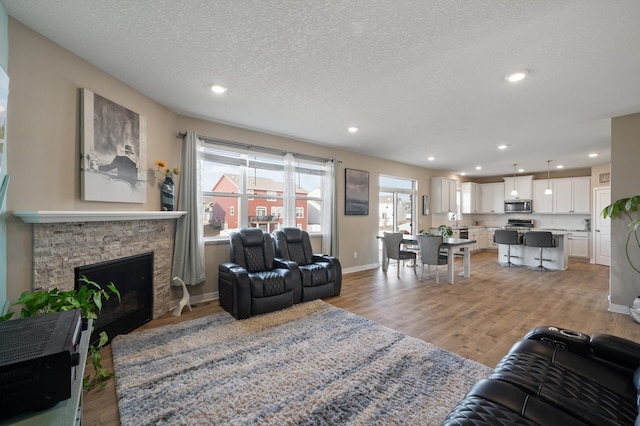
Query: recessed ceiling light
463	173
217	89
353	129
559	166
431	158
516	76
502	146
478	167
520	170
593	154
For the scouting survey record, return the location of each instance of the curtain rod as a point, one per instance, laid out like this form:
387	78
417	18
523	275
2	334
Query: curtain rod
233	144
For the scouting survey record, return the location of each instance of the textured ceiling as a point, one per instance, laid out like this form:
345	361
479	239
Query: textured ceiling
418	77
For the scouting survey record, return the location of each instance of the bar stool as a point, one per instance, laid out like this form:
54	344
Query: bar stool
539	239
511	238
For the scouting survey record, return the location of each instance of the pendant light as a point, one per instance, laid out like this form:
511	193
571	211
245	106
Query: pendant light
514	192
548	191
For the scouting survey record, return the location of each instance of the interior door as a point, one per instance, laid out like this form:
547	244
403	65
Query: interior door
602	235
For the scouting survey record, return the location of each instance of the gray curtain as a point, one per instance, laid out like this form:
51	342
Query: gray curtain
330	211
188	253
289	202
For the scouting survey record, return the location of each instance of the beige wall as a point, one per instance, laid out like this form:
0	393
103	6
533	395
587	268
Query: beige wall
44	150
625	152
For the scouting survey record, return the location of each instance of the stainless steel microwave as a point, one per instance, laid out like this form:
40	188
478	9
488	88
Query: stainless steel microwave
517	206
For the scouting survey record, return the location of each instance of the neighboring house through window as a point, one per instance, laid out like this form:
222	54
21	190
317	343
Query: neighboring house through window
253	184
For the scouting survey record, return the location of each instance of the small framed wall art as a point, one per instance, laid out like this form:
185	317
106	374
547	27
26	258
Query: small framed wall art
356	192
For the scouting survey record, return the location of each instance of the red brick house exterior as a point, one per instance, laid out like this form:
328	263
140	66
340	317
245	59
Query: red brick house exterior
265	213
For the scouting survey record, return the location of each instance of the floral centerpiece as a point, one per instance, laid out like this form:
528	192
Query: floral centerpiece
167	196
162	167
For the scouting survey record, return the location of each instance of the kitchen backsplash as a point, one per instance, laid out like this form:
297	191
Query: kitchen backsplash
556	221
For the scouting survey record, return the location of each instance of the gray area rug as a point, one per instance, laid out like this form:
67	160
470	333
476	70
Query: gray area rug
312	364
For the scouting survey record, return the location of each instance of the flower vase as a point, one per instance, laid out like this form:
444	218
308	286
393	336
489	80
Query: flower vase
167	196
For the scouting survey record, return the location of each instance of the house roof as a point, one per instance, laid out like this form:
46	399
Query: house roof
259	183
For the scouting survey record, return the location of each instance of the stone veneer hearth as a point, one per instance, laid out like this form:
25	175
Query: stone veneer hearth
60	247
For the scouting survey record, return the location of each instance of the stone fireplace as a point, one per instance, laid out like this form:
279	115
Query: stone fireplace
63	241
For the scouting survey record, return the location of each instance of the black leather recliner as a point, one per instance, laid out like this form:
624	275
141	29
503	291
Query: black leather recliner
556	376
256	281
321	274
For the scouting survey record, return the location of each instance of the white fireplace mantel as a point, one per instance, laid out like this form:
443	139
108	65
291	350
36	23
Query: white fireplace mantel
61	216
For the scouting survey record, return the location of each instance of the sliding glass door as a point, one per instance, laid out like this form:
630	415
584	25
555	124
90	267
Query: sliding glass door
397	203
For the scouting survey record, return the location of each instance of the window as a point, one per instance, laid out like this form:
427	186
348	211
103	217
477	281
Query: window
396	204
267	191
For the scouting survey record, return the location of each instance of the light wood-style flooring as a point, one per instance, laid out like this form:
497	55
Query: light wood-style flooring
479	317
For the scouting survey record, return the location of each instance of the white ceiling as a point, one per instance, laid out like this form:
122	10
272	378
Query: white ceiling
418	77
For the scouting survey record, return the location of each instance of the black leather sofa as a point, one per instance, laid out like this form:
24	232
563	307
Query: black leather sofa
558	377
259	280
321	274
256	281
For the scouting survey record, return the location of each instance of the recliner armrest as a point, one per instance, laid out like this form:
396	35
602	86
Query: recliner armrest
287	264
566	340
237	300
324	258
225	267
616	350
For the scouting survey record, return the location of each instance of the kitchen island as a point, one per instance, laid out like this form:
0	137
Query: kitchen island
521	255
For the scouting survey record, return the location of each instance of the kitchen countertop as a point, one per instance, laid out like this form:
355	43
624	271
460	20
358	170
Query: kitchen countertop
493	227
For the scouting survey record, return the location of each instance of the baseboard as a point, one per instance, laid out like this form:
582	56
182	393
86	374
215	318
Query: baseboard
360	268
619	309
198	298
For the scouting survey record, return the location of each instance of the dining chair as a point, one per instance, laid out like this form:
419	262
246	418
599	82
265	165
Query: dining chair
392	241
430	253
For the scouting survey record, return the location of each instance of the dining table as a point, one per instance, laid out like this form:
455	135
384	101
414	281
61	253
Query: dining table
450	244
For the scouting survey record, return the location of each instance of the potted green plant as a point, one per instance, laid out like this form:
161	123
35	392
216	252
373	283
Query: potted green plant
88	299
625	206
445	231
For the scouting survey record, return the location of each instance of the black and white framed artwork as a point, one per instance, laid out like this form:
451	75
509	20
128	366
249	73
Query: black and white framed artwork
113	151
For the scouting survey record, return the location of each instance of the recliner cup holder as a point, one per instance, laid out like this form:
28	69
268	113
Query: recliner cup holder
570	333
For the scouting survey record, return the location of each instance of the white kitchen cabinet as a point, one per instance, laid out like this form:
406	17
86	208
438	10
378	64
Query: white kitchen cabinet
471	198
581	190
578	244
480	235
482	238
490	244
572	195
541	203
443	195
492	198
522	184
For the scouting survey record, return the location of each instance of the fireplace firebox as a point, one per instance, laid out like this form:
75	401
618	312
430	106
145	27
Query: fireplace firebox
133	278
